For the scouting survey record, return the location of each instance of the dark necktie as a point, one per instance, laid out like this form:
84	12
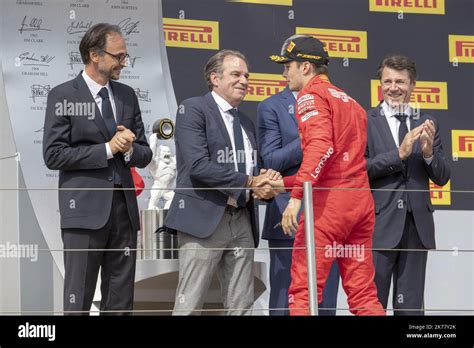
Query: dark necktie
109	120
239	151
107	112
402	131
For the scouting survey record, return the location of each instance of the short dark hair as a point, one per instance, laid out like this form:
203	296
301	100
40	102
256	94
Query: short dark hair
95	39
319	69
398	62
214	64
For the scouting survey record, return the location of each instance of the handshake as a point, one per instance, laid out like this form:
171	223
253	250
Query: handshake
266	185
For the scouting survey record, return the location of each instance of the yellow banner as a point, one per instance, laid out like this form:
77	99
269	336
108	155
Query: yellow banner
266	2
426	95
408	6
463	143
440	198
262	86
340	43
191	33
461	48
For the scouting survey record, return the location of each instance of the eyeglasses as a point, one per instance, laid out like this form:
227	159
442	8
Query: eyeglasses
121	58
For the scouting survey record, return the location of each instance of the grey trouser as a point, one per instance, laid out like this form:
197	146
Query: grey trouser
234	268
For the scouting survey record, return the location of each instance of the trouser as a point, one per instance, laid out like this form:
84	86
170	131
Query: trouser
280	279
117	267
408	269
198	263
343	228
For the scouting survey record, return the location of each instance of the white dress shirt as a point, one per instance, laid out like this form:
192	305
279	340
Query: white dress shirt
95	88
394	123
228	119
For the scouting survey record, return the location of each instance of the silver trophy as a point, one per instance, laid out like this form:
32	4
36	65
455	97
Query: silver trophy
157	239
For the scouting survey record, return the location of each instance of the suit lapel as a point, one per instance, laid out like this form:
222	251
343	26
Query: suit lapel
214	111
383	128
118	100
287	98
84	94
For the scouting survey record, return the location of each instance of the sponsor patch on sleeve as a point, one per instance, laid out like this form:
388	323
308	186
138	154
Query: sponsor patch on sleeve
308	115
306	107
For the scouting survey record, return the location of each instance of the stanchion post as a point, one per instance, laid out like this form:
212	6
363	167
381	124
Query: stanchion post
310	248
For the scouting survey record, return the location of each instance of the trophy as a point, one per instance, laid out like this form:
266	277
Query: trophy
163	169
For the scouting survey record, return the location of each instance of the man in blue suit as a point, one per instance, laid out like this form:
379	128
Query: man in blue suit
280	149
213	209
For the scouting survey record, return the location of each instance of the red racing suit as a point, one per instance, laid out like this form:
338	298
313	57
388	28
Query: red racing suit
333	131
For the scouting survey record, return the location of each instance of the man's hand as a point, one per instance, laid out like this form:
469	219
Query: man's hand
271	174
289	219
427	138
122	140
406	147
262	185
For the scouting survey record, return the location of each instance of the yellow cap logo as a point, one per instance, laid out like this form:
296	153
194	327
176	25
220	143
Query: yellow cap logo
291	46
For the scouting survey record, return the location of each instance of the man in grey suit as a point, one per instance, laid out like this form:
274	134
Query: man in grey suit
213	212
93	134
404	151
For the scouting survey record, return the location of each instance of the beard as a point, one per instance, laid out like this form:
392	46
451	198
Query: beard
111	73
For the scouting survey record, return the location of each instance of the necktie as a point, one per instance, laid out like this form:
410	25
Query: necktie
402	131
109	120
107	112
239	151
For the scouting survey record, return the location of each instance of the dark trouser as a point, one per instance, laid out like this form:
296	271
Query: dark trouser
117	267
408	269
280	279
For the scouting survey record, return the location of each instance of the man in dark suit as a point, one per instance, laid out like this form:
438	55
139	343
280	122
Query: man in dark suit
214	214
404	151
280	149
93	134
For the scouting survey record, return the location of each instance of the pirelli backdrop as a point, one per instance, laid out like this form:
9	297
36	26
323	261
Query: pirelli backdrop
437	34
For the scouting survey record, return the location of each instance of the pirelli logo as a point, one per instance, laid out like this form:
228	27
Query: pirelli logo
191	33
408	6
262	86
438	197
461	48
340	43
463	143
266	2
426	95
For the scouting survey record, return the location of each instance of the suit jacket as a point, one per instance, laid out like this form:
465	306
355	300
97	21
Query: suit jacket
75	145
205	178
280	149
386	171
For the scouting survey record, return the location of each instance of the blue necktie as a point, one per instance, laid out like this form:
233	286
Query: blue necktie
107	112
239	152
